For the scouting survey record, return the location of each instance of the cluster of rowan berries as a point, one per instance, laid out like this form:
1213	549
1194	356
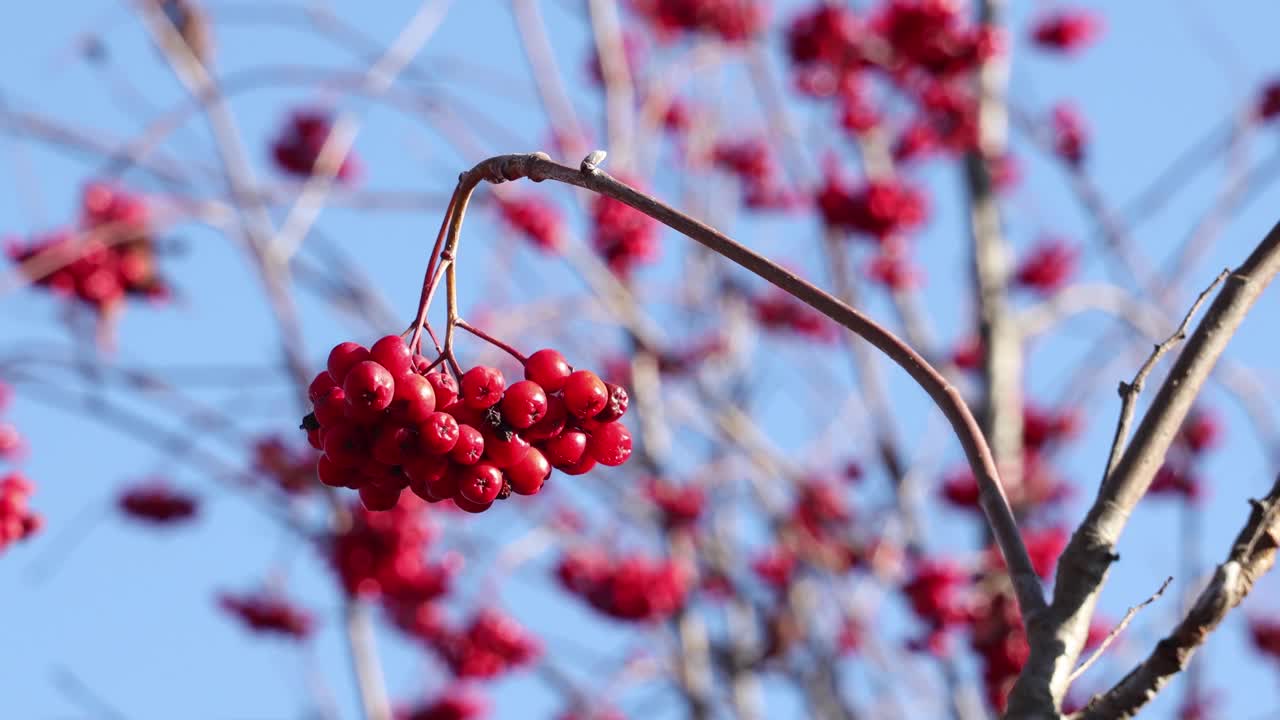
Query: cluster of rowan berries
623	236
266	612
290	468
490	644
733	21
17	521
155	502
297	147
385	424
878	209
631	587
536	218
1179	475
111	255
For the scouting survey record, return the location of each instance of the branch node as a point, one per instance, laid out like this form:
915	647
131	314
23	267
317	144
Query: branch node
591	163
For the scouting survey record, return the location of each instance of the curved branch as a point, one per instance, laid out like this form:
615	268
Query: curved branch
539	167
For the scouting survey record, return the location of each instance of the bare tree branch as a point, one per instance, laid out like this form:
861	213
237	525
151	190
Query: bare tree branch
1129	615
1252	554
1057	637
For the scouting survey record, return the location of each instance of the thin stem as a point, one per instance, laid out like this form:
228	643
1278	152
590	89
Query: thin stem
491	340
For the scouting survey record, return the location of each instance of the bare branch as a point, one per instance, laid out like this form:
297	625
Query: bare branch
1129	615
1057	638
1130	391
1252	554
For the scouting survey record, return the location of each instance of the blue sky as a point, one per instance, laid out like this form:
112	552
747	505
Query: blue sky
130	612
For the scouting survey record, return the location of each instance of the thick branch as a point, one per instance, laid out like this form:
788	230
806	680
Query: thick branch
1057	638
538	167
1252	555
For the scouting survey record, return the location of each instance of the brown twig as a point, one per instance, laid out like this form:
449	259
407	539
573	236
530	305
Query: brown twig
1252	554
1129	391
1129	615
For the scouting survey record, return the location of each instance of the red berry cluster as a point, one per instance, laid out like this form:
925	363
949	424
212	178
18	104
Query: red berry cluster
892	269
17	521
491	644
290	468
778	311
156	503
1265	634
1067	30
680	506
536	218
455	704
823	43
1268	103
932	36
630	587
298	144
11	445
1048	266
383	555
112	256
624	236
948	121
732	20
879	208
384	425
1070	136
752	162
1178	477
268	613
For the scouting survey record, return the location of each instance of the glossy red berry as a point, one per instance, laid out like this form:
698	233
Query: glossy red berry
439	433
392	443
392	353
430	478
527	476
321	385
504	449
469	448
346	445
582	467
481	387
379	497
524	404
468	506
369	387
610	444
343	357
585	394
551	424
445	386
619	400
566	449
334	475
331	409
414	399
548	368
480	483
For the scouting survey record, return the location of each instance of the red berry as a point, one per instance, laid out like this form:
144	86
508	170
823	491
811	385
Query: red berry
585	394
392	353
547	368
480	484
320	385
430	479
439	433
384	476
414	399
504	449
481	387
369	387
343	357
346	445
331	409
617	405
551	424
379	498
582	467
469	448
445	386
527	476
391	443
524	404
610	444
468	506
334	475
566	449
